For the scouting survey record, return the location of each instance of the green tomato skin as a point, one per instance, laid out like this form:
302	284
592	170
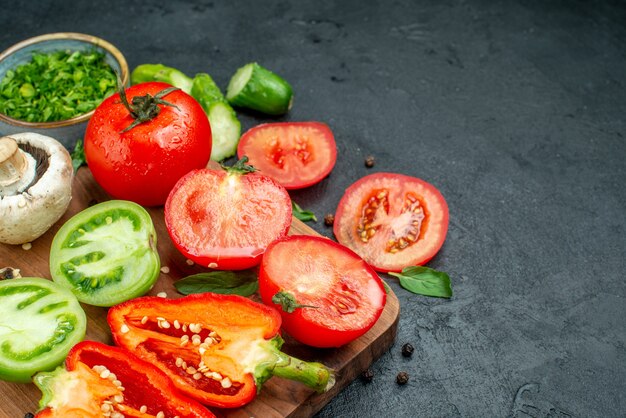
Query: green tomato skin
40	322
106	254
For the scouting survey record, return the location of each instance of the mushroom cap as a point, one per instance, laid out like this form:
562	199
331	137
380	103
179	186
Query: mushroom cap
26	216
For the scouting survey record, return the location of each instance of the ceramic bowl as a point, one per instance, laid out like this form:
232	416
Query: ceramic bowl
70	130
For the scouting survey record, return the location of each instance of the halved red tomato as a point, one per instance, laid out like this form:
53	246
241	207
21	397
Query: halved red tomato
225	220
296	154
392	220
327	295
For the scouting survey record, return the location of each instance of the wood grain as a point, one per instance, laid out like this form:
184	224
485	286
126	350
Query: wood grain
278	398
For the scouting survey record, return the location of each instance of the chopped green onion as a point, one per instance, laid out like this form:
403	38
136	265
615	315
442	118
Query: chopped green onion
56	86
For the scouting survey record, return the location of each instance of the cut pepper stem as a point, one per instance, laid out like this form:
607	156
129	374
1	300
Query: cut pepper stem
276	363
313	374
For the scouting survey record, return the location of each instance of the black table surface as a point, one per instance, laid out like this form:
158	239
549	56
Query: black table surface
514	110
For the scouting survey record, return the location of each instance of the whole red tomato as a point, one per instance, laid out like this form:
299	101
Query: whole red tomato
144	162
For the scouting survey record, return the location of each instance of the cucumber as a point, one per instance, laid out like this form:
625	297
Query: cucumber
225	126
257	88
159	72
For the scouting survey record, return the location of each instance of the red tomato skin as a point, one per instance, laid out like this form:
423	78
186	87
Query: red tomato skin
315	170
144	163
435	232
224	258
296	323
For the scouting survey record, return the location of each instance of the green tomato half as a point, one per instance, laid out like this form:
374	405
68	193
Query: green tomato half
106	254
39	322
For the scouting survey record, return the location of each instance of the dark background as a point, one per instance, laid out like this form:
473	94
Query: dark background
514	110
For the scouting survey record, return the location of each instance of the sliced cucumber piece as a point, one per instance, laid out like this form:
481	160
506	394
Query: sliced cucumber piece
225	126
39	322
106	254
257	88
159	72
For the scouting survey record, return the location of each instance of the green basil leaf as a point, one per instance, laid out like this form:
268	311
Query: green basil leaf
425	281
242	283
78	156
301	214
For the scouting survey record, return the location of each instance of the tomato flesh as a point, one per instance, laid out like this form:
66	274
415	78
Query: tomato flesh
344	295
392	220
143	163
296	154
225	221
107	253
39	322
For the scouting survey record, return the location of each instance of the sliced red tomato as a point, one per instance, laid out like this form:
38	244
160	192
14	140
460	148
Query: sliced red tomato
225	220
333	295
392	220
296	154
100	380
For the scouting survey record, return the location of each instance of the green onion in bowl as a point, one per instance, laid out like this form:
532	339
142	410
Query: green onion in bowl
56	86
64	111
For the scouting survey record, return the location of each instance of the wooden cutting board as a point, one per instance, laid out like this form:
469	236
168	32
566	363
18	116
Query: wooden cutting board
278	398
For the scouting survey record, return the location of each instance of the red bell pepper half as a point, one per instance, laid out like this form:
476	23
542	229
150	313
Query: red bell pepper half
217	349
99	380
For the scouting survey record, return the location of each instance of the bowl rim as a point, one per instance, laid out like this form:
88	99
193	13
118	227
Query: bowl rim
110	48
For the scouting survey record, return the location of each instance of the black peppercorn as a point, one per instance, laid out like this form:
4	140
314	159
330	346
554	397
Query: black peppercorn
369	161
407	350
402	378
367	375
29	415
329	219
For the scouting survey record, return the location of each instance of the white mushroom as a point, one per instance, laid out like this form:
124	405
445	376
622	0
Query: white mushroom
35	185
